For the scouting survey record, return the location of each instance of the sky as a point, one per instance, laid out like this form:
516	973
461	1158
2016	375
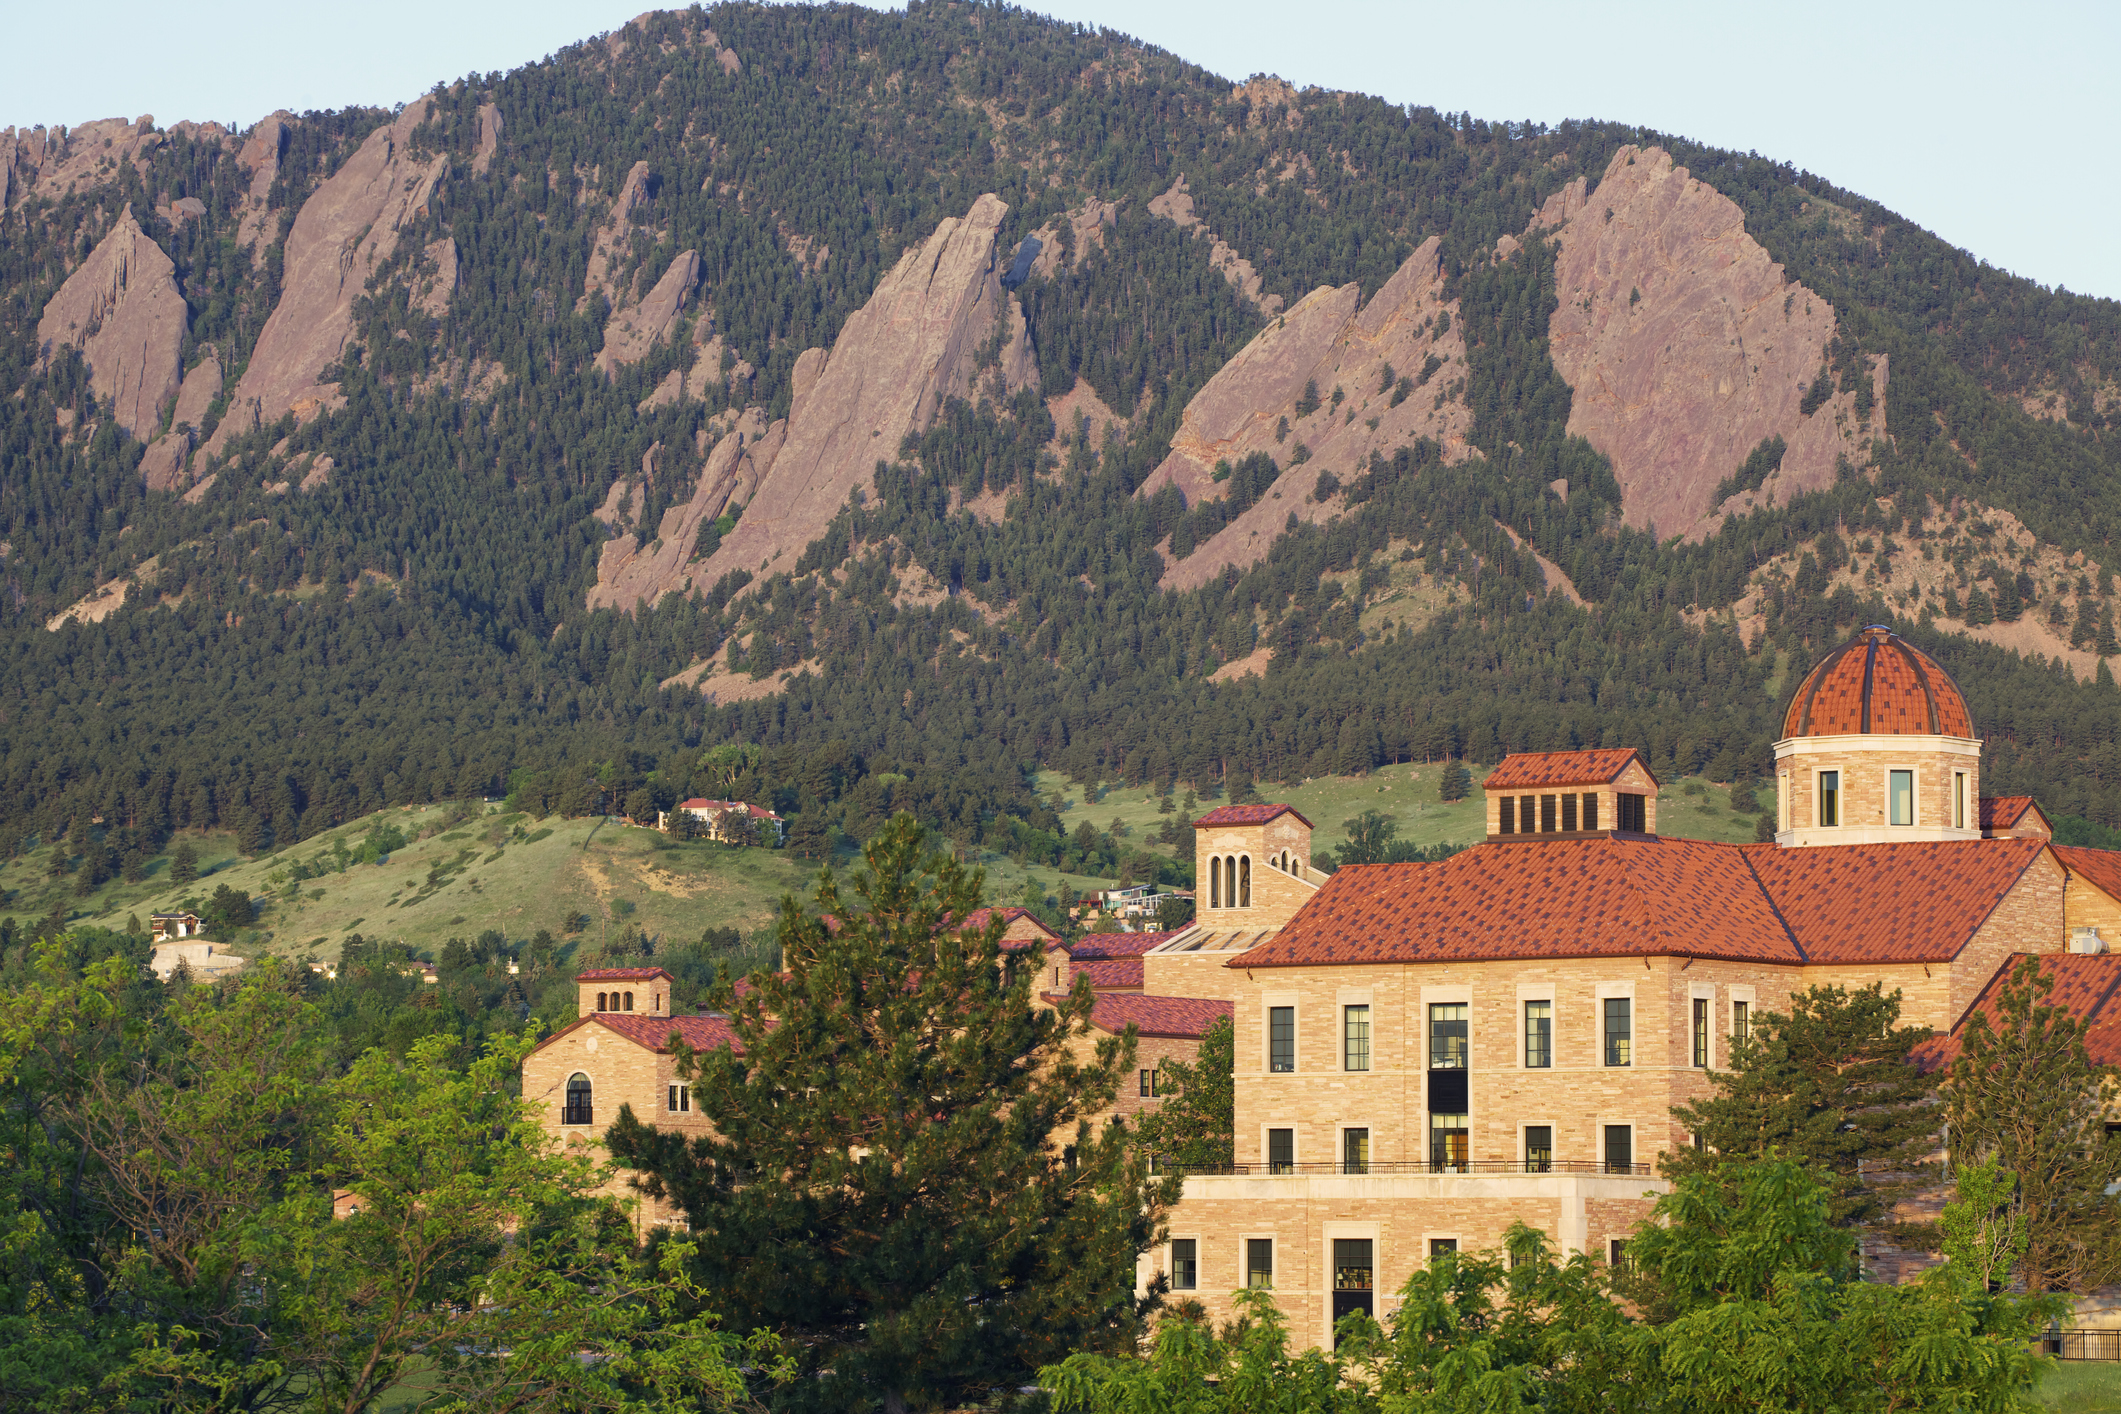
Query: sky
1992	126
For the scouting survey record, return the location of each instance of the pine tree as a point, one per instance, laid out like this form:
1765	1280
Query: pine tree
1240	786
2107	644
1456	782
882	1185
2025	1093
1980	609
1196	1125
183	863
1829	1083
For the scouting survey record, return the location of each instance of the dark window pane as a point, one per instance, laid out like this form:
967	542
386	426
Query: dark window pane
1355	1040
1619	1148
1619	1031
1185	1264
1590	810
1281	1150
1259	1261
1538	1148
1355	1150
1354	1265
1538	1035
1447	1036
1281	1038
1568	811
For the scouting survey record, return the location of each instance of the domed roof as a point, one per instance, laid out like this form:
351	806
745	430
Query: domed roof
1879	683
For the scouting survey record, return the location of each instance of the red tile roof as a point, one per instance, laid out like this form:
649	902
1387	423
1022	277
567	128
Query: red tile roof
1530	770
1889	902
1878	682
2086	986
1185	1018
2099	867
1246	815
1110	972
623	974
2000	812
977	919
1120	944
702	1033
1633	897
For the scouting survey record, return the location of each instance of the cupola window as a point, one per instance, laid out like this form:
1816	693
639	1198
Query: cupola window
1829	798
1900	797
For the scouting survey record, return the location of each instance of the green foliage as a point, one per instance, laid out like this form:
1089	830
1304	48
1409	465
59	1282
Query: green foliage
1372	838
1829	1084
2024	1094
1738	1296
1760	464
1195	1126
916	1251
1983	1226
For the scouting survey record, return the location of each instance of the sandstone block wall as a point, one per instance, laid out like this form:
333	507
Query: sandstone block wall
2085	905
1275	893
621	1072
2030	919
1863	762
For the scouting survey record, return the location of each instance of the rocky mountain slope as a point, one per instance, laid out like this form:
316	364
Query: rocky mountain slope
982	393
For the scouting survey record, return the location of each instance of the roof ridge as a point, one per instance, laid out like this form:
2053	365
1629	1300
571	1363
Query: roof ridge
1774	905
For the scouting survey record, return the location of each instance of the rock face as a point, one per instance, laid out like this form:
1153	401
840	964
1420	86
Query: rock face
260	156
610	247
489	139
345	231
1324	344
53	161
1686	346
435	282
123	311
633	330
896	362
1176	206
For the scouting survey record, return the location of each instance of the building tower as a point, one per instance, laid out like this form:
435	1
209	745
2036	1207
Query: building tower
1877	748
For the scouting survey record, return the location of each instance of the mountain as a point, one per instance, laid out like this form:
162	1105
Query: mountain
923	399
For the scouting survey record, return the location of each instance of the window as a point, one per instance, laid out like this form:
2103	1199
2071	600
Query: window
1507	823
1538	1035
1355	1151
1449	1143
1259	1261
1355	1037
1568	812
600	1003
629	1001
1440	1245
1618	1254
1590	810
1741	1021
1619	1148
1524	815
1244	882
1634	815
680	1099
1900	797
1185	1263
1056	979
1701	1033
1281	1039
1281	1151
1829	797
577	1109
1447	1036
1145	1085
1546	815
1958	800
1215	883
1538	1148
1619	1031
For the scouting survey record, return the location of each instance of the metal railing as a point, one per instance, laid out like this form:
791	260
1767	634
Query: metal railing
576	1114
2082	1345
1376	1167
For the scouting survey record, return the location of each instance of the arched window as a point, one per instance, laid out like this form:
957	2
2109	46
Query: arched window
1230	882
629	1001
1244	882
578	1109
1215	883
600	1003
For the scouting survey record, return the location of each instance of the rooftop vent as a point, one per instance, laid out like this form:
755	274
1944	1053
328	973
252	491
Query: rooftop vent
2086	942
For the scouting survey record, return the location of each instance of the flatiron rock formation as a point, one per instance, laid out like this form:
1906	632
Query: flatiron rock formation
897	360
346	230
1686	346
1255	403
123	311
635	329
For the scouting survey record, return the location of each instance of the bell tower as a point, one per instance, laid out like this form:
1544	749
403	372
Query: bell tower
1252	866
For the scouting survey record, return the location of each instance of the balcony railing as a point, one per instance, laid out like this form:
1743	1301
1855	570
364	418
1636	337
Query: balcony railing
575	1114
1470	1166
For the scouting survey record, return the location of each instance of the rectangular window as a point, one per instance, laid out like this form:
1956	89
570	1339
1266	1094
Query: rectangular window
1958	800
1447	1036
1634	815
1440	1245
1355	1037
1259	1261
1900	797
1281	1151
1619	1031
1619	1148
1185	1263
1741	1021
1506	822
1568	811
1145	1085
1618	1260
1546	815
681	1099
1524	816
1829	797
1281	1039
1590	810
1538	1035
1450	1143
1355	1151
1701	1033
1354	1264
1538	1148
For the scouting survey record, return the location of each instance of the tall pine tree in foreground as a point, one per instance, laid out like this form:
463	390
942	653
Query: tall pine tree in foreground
900	1181
1827	1083
2024	1093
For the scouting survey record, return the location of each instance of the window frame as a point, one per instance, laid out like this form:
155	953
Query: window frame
573	1114
1465	1041
1367	1162
1277	1167
1607	1036
1193	1241
1274	1011
1526	1148
1959	800
680	1099
1348	1039
1605	1147
1524	1058
1248	1245
1826	799
1914	797
1698	1038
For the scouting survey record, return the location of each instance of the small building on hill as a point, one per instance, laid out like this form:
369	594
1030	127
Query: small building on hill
162	927
714	814
204	960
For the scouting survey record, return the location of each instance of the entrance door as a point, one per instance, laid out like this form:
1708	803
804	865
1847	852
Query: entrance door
1354	1272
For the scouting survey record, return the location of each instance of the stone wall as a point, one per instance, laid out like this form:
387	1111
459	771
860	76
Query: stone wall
621	1072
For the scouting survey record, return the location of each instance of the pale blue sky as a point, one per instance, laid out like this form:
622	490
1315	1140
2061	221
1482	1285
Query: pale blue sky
1994	126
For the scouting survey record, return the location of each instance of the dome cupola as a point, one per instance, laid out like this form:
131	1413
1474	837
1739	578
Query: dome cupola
1877	747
